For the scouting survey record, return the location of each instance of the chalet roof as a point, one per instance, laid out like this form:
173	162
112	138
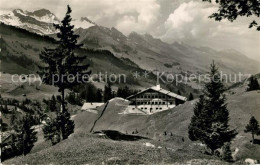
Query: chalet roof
163	91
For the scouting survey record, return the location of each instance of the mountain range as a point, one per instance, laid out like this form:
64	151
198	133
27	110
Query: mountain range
39	21
145	51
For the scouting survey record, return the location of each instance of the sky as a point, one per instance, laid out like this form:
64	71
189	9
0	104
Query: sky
170	20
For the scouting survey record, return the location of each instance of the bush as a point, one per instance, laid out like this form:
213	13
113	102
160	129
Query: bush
253	84
227	154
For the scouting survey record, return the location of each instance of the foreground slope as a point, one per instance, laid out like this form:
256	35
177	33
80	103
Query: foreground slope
83	147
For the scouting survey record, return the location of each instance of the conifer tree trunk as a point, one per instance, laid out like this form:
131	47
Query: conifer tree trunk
62	100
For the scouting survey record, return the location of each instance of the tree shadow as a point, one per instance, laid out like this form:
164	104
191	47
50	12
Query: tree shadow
118	136
256	141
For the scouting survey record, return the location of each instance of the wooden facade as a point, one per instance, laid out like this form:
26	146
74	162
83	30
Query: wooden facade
155	96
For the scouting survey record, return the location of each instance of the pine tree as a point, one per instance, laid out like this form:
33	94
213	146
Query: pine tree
91	95
253	127
63	69
191	97
227	153
52	105
65	124
125	92
4	126
209	123
253	84
177	101
13	117
51	131
25	135
6	108
107	92
199	121
99	95
119	92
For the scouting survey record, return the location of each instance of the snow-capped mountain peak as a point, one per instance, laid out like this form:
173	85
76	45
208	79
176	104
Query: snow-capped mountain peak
39	21
44	16
83	22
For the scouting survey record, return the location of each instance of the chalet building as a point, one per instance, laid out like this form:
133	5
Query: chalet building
155	99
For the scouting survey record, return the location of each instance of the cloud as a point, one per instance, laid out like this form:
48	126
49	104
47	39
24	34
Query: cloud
147	14
190	20
190	23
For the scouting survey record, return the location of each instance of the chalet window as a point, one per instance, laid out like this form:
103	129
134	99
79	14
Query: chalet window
156	108
160	108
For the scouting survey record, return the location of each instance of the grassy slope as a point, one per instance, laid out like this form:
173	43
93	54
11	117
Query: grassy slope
82	147
18	42
241	107
16	90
